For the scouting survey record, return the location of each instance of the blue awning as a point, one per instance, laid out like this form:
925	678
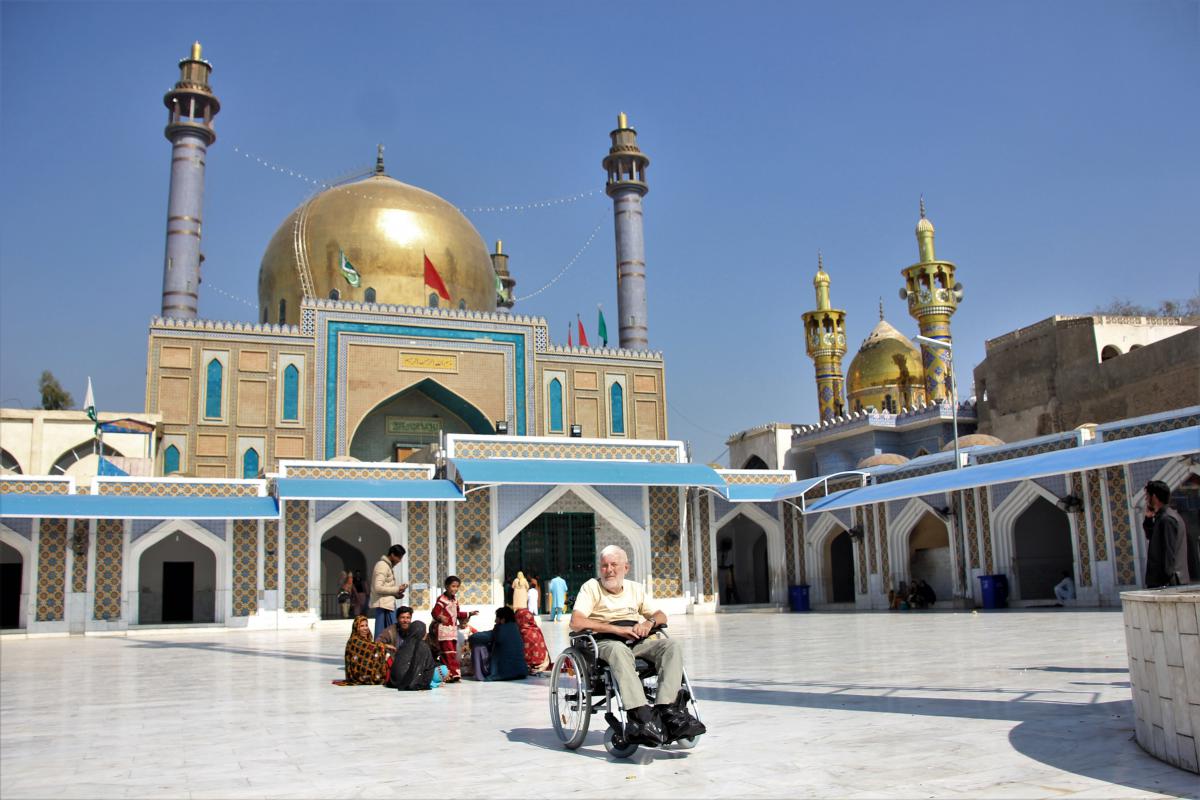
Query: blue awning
566	472
362	489
1091	456
754	493
112	506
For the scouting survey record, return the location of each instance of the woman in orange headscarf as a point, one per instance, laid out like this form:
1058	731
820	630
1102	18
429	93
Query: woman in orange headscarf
536	654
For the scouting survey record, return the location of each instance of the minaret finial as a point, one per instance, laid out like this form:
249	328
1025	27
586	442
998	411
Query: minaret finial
922	205
820	262
622	120
379	159
195	51
881	309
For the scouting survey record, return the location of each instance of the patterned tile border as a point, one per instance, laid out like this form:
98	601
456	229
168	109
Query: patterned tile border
418	553
34	487
52	570
872	564
473	546
789	544
245	567
173	489
706	554
1122	530
271	555
972	530
110	550
358	473
295	546
802	571
79	546
664	541
765	479
1095	501
885	566
567	449
1081	534
985	528
1157	426
862	554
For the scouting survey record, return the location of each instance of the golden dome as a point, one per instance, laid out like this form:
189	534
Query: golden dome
384	228
885	372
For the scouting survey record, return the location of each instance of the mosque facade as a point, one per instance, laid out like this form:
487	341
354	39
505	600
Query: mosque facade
387	393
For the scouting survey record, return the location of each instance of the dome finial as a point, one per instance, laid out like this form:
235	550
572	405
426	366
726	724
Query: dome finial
922	205
881	309
379	159
820	261
196	51
622	121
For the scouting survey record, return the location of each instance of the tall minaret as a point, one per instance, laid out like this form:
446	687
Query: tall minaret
191	107
626	167
933	297
825	341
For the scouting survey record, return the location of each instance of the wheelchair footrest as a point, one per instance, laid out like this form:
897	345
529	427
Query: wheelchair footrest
615	724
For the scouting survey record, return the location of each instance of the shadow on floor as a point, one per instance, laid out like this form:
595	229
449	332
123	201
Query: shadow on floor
1084	670
213	647
592	747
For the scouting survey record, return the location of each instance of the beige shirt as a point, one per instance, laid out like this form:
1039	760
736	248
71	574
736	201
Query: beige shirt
384	585
594	602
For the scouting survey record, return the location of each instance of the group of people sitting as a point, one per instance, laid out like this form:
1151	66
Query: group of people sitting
917	594
405	655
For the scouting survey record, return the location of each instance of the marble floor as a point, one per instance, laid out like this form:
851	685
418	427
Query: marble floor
1028	703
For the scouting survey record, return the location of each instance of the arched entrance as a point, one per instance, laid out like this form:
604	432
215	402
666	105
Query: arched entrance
177	581
929	555
405	425
12	567
1186	500
744	574
841	568
352	545
1041	550
557	543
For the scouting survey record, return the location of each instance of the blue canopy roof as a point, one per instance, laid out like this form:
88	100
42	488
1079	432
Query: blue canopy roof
1091	456
112	506
584	473
754	492
362	489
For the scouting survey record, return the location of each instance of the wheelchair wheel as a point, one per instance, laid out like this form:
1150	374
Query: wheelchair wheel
570	698
623	750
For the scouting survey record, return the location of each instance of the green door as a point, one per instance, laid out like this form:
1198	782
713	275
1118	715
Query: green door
554	544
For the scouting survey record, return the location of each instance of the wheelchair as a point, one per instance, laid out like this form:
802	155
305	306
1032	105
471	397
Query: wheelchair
581	684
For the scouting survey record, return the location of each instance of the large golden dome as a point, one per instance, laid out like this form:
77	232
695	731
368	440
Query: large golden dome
384	228
886	372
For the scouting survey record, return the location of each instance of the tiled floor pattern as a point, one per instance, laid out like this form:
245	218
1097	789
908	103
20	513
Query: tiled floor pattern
1010	704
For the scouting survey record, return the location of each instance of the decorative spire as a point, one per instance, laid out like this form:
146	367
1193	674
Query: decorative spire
499	247
622	121
820	261
881	309
195	51
922	205
379	159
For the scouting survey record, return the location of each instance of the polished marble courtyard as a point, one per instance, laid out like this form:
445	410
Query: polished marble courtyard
1010	704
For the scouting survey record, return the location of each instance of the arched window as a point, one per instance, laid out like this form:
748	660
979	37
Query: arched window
283	312
369	295
291	393
212	394
250	463
616	397
334	294
170	460
433	299
556	406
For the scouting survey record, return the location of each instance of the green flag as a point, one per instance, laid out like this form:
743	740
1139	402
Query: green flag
603	329
89	406
348	271
500	290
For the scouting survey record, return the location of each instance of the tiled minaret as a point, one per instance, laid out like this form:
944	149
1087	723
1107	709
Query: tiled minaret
933	297
825	341
191	106
626	166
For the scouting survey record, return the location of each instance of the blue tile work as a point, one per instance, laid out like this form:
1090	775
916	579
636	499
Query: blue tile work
393	508
935	500
52	570
327	507
1055	484
844	516
213	526
894	507
143	526
514	501
628	499
1143	472
21	526
1002	490
721	507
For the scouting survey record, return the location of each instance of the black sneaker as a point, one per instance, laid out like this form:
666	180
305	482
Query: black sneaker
679	724
642	728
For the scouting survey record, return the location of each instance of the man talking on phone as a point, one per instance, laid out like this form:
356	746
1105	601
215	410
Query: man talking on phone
385	591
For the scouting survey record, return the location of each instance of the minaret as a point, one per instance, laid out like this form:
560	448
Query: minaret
191	106
504	298
626	167
933	297
825	341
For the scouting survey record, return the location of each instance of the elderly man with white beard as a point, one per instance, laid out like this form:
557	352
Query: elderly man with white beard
622	620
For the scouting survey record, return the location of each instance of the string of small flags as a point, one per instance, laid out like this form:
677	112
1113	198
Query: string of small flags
496	208
224	293
571	263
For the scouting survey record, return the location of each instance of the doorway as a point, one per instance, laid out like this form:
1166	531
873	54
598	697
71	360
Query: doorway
553	544
179	585
929	555
841	568
11	565
1041	550
742	563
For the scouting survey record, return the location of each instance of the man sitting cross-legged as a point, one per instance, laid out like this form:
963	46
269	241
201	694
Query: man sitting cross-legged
618	611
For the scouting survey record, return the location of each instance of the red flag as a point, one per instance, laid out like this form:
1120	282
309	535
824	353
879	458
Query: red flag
569	335
434	280
583	342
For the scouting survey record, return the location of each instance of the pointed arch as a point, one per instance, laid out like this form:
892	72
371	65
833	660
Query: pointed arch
900	530
24	548
131	574
555	393
291	393
773	528
1003	532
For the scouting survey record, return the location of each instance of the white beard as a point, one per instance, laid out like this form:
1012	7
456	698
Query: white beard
612	584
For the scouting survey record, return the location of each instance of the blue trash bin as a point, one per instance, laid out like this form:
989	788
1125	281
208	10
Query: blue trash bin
798	596
994	589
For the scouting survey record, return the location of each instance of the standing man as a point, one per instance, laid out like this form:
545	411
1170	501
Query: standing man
558	596
618	612
1166	540
384	589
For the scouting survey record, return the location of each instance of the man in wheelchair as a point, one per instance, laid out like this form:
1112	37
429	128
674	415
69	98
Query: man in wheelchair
624	624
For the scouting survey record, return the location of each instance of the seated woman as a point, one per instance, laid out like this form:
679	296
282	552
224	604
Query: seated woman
537	657
367	662
499	654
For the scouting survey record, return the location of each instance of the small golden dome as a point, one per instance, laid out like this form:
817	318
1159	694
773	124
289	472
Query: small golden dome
385	228
973	440
881	460
885	372
923	225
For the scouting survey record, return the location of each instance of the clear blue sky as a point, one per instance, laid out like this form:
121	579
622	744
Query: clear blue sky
1055	144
